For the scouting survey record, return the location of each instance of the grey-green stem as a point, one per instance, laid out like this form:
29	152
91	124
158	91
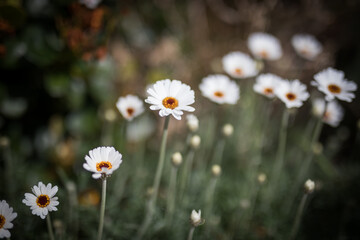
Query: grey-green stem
102	209
49	226
191	233
300	211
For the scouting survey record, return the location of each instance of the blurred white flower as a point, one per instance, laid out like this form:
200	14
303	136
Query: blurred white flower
332	82
6	216
192	122
171	97
307	46
239	65
266	84
292	93
130	106
90	3
220	89
43	200
196	218
334	112
309	186
103	161
264	46
140	129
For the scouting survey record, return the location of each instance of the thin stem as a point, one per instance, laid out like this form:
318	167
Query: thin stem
299	214
102	209
152	201
49	226
210	197
219	151
170	206
191	233
186	172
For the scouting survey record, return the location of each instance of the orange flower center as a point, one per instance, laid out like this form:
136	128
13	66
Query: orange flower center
170	102
43	200
305	52
268	91
291	96
239	71
218	94
334	88
263	54
327	115
2	221
103	164
130	111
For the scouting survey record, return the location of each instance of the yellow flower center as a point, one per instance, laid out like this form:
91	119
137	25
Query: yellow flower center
218	94
43	200
239	71
170	102
103	164
334	88
291	96
263	54
268	91
130	111
2	221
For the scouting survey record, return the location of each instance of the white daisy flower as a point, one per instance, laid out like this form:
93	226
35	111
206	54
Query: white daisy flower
171	97
6	216
292	93
332	82
239	65
264	46
307	46
192	122
130	106
266	84
103	161
220	89
43	200
334	112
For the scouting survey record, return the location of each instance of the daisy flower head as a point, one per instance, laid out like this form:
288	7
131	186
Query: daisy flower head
292	93
239	65
220	89
102	161
6	216
334	112
266	84
130	106
171	97
43	199
332	82
306	46
264	46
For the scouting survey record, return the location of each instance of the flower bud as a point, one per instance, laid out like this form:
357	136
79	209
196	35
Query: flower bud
228	130
110	115
317	148
176	159
195	141
195	218
261	178
216	170
192	122
309	186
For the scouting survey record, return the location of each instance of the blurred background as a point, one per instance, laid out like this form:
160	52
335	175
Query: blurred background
64	64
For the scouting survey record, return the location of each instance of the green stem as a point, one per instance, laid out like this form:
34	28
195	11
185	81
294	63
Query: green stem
299	214
186	172
191	233
49	226
102	209
219	152
159	170
210	197
170	206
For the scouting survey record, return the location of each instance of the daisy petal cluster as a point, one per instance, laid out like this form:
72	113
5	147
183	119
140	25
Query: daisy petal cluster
43	199
334	112
307	46
102	161
239	65
332	82
292	93
7	215
220	89
130	106
171	97
266	84
264	46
